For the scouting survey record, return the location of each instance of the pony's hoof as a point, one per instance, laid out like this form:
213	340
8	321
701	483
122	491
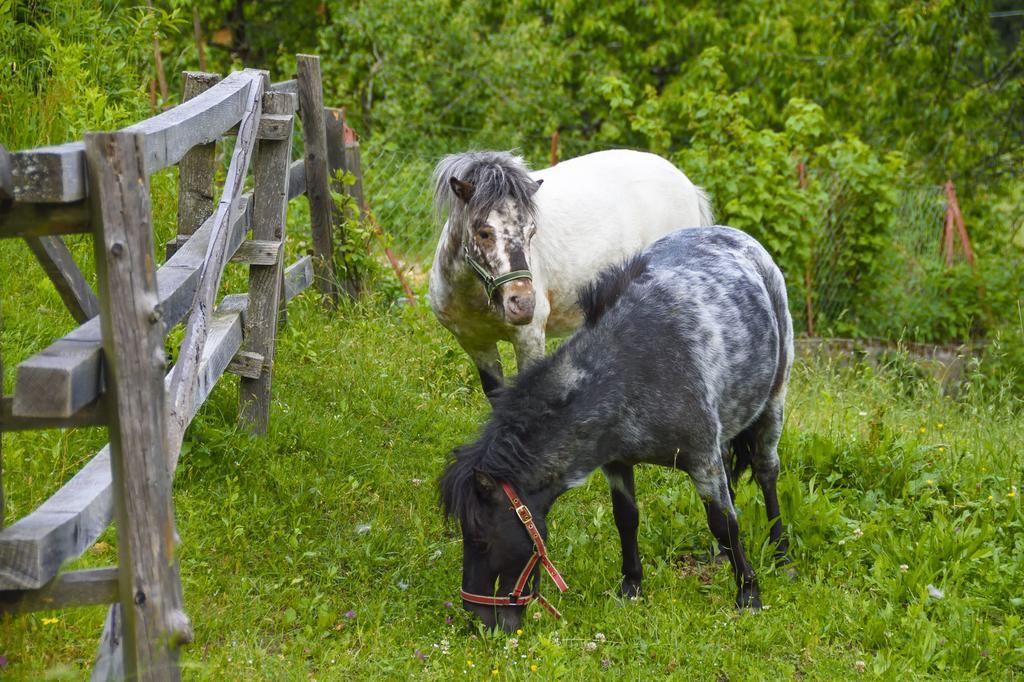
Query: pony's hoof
751	603
630	589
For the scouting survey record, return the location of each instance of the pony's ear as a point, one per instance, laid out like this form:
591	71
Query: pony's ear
536	186
485	483
463	190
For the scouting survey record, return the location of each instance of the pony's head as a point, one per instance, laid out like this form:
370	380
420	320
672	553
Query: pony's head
488	197
495	547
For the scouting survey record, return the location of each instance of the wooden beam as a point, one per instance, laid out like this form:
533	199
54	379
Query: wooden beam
196	168
259	252
66	376
297	277
270	197
297	179
77	588
275	127
50	174
60	266
285	86
246	364
155	623
6	180
93	414
19	219
57	173
183	382
109	665
311	107
337	160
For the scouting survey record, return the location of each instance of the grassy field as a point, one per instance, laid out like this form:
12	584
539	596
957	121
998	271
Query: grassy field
320	552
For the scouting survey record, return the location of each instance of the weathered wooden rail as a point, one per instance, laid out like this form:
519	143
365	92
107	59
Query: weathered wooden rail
111	369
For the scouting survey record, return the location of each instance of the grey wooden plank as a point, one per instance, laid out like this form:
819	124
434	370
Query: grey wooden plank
133	346
275	127
196	168
6	179
297	277
67	375
285	86
259	252
20	219
201	120
109	665
54	173
33	548
93	414
246	364
60	266
183	383
338	160
314	134
297	179
57	173
270	199
87	587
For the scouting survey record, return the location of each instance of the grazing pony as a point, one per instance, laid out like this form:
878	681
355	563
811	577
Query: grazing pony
683	361
512	254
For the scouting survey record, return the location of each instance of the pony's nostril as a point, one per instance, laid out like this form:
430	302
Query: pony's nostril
513	301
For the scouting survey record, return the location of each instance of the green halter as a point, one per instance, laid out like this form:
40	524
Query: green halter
492	283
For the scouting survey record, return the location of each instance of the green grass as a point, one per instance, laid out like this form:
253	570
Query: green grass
335	513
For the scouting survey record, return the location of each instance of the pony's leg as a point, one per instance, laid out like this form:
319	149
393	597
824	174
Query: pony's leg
627	520
529	344
488	365
713	486
765	463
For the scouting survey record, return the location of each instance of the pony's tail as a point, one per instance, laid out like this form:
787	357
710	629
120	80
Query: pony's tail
707	215
739	454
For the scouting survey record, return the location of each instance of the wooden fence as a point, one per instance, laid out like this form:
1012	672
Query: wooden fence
110	371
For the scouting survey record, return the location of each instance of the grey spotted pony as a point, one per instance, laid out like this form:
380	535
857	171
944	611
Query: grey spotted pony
683	361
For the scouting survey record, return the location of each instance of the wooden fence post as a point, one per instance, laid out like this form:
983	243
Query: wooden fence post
133	343
270	197
314	134
6	192
195	170
554	147
338	160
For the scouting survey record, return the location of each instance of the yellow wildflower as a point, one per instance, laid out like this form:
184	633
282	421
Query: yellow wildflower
533	668
942	449
929	481
989	498
940	425
1012	493
922	430
494	672
519	631
51	621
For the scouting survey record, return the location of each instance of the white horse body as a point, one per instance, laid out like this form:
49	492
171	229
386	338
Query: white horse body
597	210
592	211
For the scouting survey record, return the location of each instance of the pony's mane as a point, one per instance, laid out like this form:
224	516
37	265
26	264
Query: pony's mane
602	293
500	450
496	176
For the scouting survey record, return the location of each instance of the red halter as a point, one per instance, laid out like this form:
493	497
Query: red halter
540	553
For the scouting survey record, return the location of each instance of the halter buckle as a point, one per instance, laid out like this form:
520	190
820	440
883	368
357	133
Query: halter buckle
513	599
524	514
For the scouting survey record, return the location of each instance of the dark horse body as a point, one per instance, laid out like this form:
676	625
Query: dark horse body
686	350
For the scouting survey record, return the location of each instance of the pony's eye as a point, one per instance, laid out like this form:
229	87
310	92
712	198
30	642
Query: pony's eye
485	233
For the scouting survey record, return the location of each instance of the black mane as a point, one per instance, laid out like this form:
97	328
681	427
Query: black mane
501	450
601	294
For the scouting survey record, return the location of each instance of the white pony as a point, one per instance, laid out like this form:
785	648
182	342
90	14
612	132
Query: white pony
512	255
